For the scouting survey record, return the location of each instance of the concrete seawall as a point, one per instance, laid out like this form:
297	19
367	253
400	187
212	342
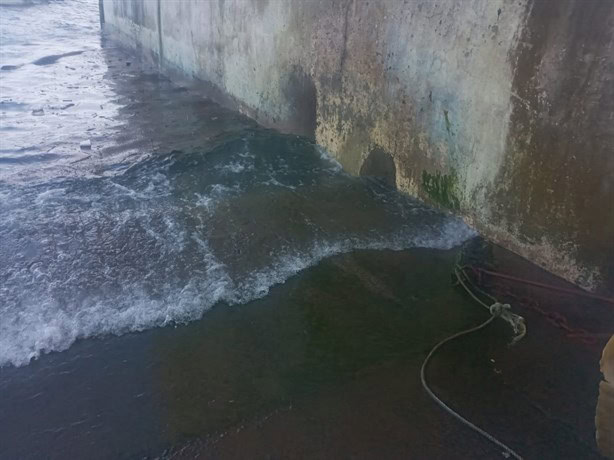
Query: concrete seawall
501	111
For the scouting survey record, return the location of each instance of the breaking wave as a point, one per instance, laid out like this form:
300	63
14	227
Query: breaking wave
167	238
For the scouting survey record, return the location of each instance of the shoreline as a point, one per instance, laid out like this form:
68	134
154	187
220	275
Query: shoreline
326	365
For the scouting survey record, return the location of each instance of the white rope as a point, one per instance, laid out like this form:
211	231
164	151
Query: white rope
516	321
496	309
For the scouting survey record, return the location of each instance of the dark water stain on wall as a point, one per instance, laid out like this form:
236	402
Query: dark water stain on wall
135	11
261	6
101	12
558	176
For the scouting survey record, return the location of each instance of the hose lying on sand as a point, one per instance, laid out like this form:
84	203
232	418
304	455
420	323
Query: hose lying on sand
496	310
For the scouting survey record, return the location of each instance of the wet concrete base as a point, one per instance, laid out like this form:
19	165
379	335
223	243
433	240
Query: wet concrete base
326	366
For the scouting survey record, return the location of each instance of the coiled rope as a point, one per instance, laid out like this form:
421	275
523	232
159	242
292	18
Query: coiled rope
496	310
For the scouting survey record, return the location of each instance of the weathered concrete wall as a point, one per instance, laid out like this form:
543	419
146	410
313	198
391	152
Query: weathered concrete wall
500	110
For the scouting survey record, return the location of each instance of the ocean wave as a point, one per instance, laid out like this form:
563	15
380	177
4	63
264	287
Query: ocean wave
164	239
39	323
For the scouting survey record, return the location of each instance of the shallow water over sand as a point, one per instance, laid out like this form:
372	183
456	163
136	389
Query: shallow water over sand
131	203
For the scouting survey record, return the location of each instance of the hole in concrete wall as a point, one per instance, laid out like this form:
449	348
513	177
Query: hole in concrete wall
380	165
300	90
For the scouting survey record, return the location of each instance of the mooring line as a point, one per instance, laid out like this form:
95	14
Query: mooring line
496	310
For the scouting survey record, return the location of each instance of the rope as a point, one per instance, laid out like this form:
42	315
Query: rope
496	310
516	321
577	292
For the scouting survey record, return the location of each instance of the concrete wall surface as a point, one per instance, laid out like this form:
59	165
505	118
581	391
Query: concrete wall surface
501	111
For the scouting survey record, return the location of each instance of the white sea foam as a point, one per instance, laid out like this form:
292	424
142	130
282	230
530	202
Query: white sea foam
49	195
38	323
326	156
151	247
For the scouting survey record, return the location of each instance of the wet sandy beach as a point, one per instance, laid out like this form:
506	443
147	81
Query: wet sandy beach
191	285
326	366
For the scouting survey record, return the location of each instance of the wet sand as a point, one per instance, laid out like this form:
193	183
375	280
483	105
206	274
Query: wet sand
326	366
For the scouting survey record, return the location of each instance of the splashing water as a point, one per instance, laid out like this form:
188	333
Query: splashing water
178	206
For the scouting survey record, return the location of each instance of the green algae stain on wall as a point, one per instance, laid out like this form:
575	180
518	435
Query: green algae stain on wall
442	189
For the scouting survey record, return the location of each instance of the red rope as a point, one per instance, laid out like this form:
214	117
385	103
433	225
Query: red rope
553	317
577	292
